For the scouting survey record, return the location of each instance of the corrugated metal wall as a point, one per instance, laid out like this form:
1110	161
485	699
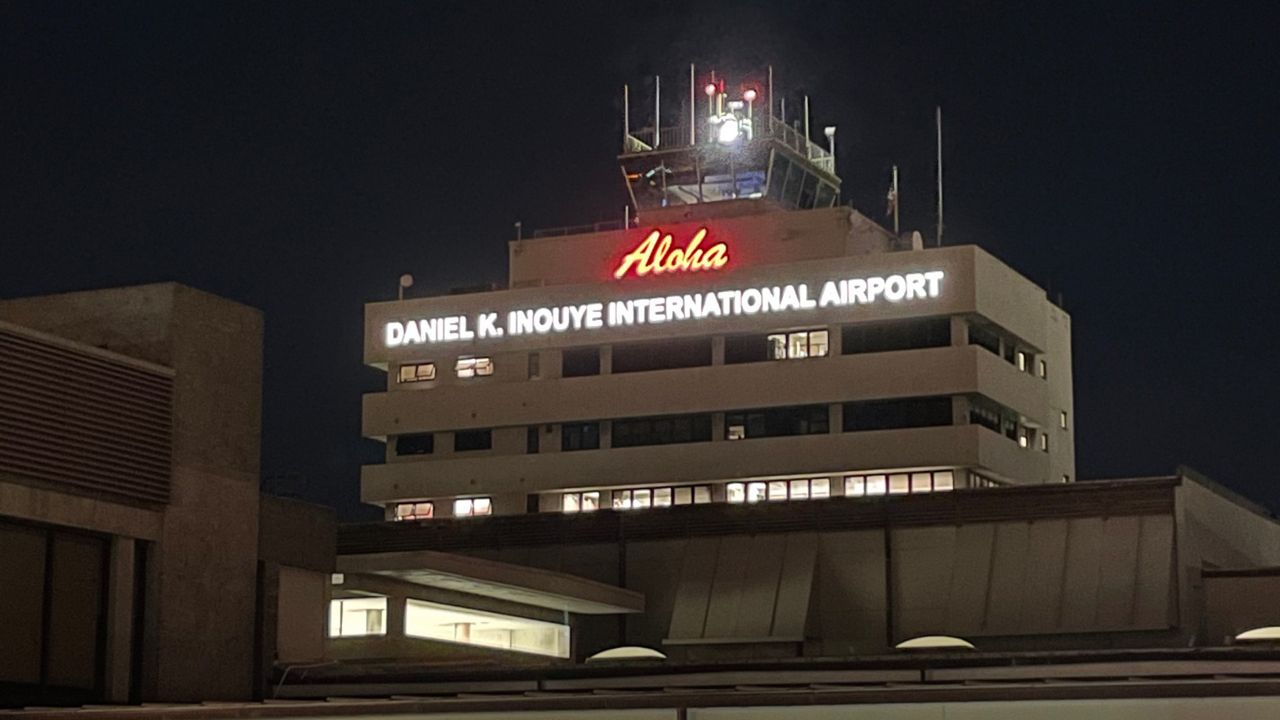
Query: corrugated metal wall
82	422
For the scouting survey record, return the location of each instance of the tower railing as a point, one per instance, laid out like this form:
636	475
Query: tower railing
642	140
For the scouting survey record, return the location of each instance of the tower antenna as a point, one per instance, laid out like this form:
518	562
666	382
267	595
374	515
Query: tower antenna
938	116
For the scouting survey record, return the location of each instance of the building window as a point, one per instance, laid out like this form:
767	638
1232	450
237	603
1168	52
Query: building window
535	365
897	335
531	440
1024	437
1044	442
581	501
1062	419
899	483
580	362
981	481
799	344
417	372
468	440
1023	361
475	627
661	355
415	511
691	495
777	422
1066	478
752	492
467	367
472	507
985	337
1044	369
897	413
354	617
418	444
580	436
635	432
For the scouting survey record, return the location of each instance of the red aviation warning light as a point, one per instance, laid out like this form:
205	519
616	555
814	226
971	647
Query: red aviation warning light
655	255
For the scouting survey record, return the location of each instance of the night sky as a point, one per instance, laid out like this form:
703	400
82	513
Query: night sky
298	157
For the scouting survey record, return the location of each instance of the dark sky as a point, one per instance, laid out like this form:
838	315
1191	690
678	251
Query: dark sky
298	157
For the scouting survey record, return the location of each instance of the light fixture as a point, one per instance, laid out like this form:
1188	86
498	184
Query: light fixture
749	95
935	642
728	131
1270	633
627	652
710	89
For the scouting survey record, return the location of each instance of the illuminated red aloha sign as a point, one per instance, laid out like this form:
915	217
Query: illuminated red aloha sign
655	255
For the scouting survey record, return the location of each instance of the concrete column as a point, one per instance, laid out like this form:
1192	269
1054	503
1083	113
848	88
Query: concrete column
835	418
959	331
835	341
717	350
395	616
120	604
606	359
959	410
717	426
606	434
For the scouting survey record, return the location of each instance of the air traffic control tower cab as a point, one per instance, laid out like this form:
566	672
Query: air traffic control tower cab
728	145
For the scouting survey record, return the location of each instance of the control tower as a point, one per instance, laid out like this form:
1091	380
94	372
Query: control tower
733	141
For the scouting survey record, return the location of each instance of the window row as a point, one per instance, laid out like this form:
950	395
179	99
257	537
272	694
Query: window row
899	483
366	616
465	367
661	497
462	507
425	443
993	339
775	490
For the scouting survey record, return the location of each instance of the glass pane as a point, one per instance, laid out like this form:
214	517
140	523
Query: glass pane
465	367
408	373
404	511
755	492
481	506
572	502
818	343
820	488
590	501
920	483
484	366
423	510
641	498
702	494
777	347
778	490
684	495
427	371
799	489
943	481
461	507
735	492
899	483
662	497
876	485
855	486
798	345
737	432
622	500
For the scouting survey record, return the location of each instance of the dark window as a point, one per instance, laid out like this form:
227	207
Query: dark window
904	335
778	176
581	361
580	436
634	432
745	349
992	416
661	355
897	413
791	191
423	444
808	191
984	337
465	440
531	441
535	365
776	422
826	195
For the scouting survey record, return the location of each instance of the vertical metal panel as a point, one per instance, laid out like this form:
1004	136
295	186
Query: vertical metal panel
1008	579
795	586
1155	564
761	582
970	579
1085	538
1046	560
726	588
1118	573
689	616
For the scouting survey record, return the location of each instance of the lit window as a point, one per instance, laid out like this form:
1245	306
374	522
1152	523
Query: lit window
475	627
1044	369
415	511
800	344
662	497
622	500
921	483
799	489
641	499
353	617
572	502
473	367
701	494
581	502
778	490
877	485
1062	420
899	484
756	492
855	486
1024	437
737	432
735	492
943	481
1022	361
684	496
1066	478
820	488
590	501
417	372
1044	442
471	507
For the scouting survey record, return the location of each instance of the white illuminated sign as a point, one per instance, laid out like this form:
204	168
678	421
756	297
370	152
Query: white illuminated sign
665	309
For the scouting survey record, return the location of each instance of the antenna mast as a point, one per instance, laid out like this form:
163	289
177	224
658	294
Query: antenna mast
938	116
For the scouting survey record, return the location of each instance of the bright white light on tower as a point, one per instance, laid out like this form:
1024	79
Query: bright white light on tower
728	131
749	95
710	89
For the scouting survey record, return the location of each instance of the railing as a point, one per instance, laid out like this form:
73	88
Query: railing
579	229
796	140
641	140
